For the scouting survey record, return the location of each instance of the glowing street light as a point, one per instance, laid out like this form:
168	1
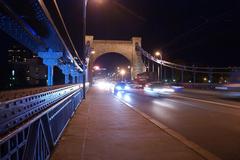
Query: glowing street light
122	72
205	79
129	67
158	54
96	68
93	52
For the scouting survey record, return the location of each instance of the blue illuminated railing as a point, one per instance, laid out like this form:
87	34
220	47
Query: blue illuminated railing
31	126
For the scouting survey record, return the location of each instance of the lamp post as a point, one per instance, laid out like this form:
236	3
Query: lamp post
158	54
83	45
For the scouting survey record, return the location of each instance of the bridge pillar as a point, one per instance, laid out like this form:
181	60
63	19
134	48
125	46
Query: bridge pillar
194	77
137	62
210	75
50	58
182	76
173	76
153	67
88	72
74	74
66	71
165	73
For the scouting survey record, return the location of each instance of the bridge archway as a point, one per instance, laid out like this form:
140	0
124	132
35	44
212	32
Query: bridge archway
126	48
112	62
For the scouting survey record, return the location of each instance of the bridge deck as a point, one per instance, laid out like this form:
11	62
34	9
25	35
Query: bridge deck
105	128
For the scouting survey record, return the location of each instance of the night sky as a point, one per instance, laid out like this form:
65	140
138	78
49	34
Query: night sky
200	32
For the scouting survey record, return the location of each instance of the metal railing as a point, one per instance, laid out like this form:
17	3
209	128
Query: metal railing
31	126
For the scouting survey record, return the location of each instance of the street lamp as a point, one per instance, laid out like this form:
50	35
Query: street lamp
96	68
157	54
93	52
83	22
122	72
205	79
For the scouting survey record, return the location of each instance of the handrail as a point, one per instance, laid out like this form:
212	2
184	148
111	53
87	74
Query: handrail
16	111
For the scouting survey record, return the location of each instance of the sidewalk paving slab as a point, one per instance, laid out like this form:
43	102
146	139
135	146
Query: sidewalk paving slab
103	128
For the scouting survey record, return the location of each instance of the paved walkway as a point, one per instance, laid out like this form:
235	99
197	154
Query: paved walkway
104	128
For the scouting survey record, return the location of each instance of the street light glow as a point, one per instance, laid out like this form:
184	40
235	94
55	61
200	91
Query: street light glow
157	54
93	52
96	68
122	72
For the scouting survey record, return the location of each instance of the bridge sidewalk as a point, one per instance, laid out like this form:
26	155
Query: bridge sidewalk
103	128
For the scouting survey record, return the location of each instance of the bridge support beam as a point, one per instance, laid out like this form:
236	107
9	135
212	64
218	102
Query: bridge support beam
173	75
50	58
74	74
194	77
182	76
158	73
66	71
153	67
165	73
137	62
210	77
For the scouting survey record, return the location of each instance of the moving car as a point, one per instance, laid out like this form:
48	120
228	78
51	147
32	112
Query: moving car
135	86
120	87
231	90
159	88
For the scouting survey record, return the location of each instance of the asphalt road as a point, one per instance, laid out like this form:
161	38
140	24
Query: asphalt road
210	122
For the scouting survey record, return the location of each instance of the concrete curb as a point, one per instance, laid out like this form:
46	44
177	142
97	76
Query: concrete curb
196	148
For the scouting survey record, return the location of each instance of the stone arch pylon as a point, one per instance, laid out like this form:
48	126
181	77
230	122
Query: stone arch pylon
127	48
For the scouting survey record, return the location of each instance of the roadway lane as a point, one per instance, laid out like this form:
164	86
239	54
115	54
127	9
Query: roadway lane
215	96
215	128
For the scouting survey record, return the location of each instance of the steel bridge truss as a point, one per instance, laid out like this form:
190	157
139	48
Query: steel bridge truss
31	126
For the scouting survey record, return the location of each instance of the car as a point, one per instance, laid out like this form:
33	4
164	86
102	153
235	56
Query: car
135	86
158	89
231	90
121	87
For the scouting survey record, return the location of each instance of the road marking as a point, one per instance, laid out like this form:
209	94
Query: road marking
196	148
211	102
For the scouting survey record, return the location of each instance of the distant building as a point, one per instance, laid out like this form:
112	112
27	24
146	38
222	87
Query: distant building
26	69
